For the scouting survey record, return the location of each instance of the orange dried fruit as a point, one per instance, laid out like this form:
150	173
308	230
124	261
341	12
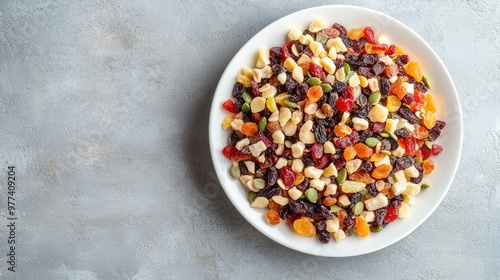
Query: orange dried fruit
273	205
381	171
420	132
349	153
356	34
393	103
249	129
273	217
363	151
329	201
413	69
376	157
299	178
342	130
428	166
304	227
362	228
429	120
364	177
430	106
314	93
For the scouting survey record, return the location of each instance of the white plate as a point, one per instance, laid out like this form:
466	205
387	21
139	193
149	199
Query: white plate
448	110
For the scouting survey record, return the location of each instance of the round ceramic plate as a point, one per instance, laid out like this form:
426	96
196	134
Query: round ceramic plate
442	89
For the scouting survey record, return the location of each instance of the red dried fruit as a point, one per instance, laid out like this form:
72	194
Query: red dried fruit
436	149
256	117
261	137
344	105
286	50
369	35
287	176
391	51
343	142
426	152
317	150
234	154
331	32
391	216
228	105
378	127
323	162
348	93
411	146
255	89
418	96
316	70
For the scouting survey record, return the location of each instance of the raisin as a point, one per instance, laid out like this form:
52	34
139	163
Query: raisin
237	90
277	69
439	125
339	163
385	86
421	87
340	28
378	68
322	212
362	100
355	198
284	212
367	72
365	134
366	166
379	217
385	144
343	142
433	135
363	112
323	236
243	168
290	83
402	60
369	59
269	192
298	206
377	127
372	189
339	86
320	225
402	133
409	115
308	161
396	204
332	99
272	176
405	162
348	222
394	144
233	139
304	185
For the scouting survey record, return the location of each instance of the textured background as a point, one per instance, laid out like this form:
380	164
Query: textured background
104	110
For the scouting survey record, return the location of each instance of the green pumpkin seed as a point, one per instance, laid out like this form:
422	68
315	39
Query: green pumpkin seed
347	68
259	183
384	134
335	208
326	87
313	81
341	176
245	108
348	76
385	152
302	197
247	97
371	142
351	231
358	208
312	195
364	191
321	37
428	144
391	180
262	123
425	186
251	196
291	104
426	81
393	136
374	97
235	172
376	228
418	159
288	143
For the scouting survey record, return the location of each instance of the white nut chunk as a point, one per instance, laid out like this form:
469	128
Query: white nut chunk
257	148
359	124
260	202
294	193
330	189
313	172
242	143
305	134
328	148
317	49
278	137
282	78
404	210
258	104
398	188
328	64
339	235
262	58
280	200
297	165
298	74
285	115
412	189
298	149
330	170
377	202
378	113
317	184
316	25
289	63
294	34
337	44
411	172
333	225
353	165
281	162
352	186
368	216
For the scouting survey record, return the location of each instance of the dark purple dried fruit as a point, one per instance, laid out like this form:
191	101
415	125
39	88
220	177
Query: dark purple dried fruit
243	168
378	68
320	134
402	133
324	236
405	162
379	217
340	28
385	86
409	115
402	60
361	101
355	198
348	222
269	192
272	176
339	86
394	144
367	72
385	144
372	189
237	90
320	224
366	166
307	160
233	139
365	134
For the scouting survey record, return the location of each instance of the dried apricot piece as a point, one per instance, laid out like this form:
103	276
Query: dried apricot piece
382	171
314	93
429	120
420	132
304	227
364	177
393	103
342	130
362	228
428	166
430	106
363	151
273	217
376	157
356	34
273	205
349	153
413	69
249	129
299	178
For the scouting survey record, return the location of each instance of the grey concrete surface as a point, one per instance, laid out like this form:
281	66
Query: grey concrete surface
104	112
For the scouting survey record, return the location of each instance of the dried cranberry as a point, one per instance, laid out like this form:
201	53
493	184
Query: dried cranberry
408	98
391	216
436	149
317	150
344	105
255	89
322	162
354	137
343	142
287	176
339	163
228	105
286	50
348	93
378	127
340	28
391	50
426	152
316	70
402	60
275	52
